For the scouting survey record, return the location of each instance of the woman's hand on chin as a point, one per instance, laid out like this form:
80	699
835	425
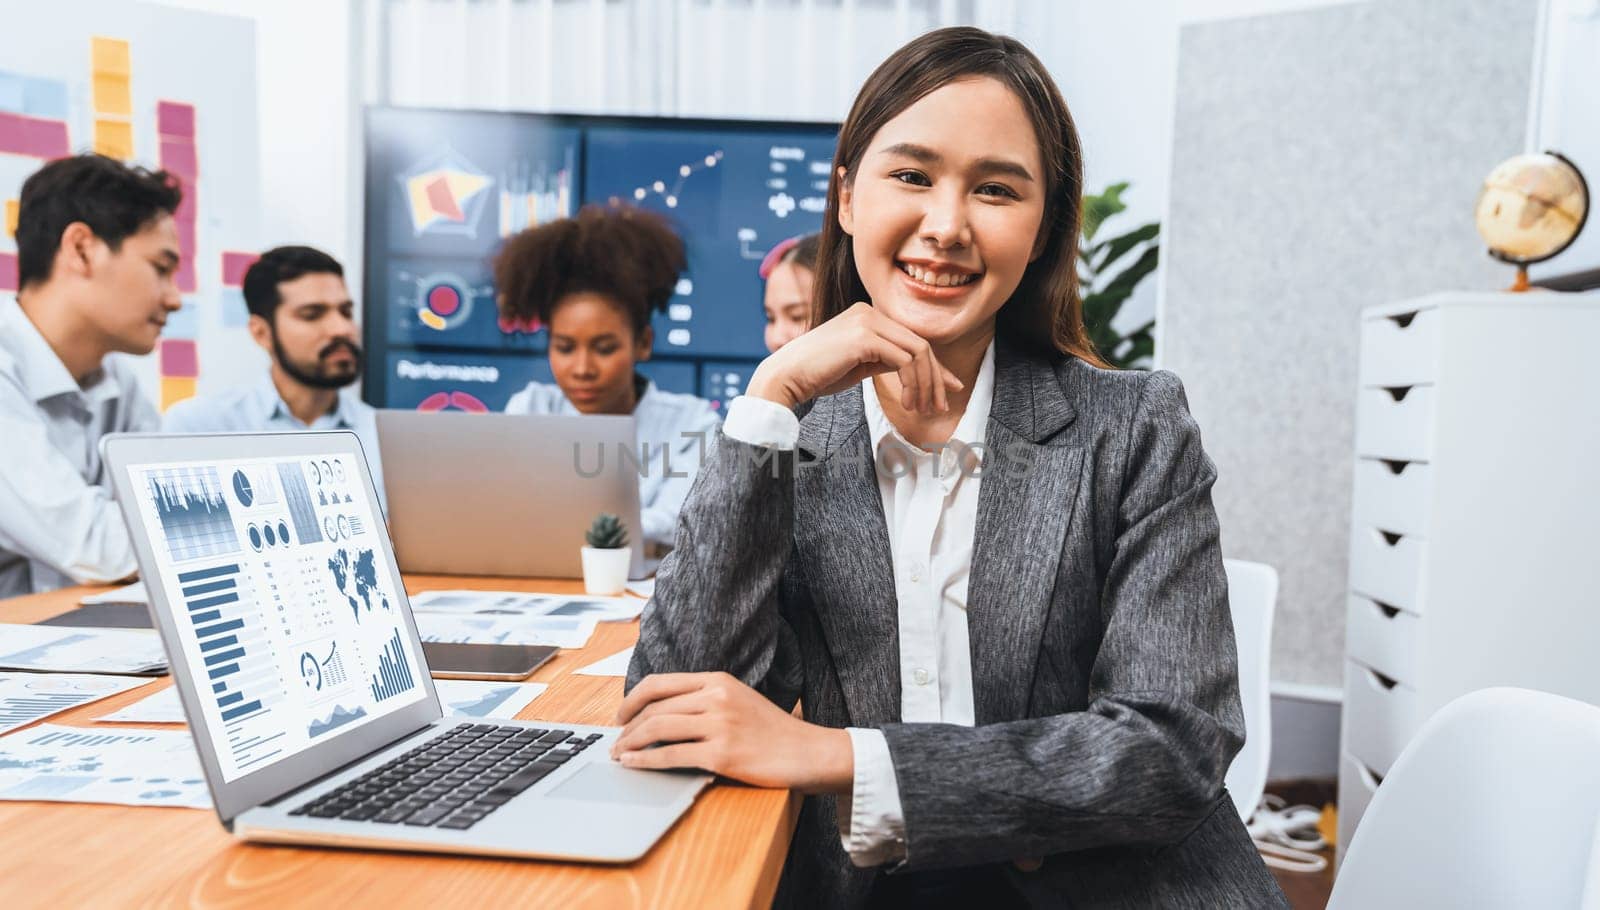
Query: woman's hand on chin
714	722
853	345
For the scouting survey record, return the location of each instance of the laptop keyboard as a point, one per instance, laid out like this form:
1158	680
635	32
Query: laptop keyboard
453	781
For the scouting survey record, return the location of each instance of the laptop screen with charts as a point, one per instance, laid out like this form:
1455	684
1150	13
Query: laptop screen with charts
275	589
273	584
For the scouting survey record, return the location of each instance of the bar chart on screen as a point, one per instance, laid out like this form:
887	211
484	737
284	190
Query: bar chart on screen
394	674
239	664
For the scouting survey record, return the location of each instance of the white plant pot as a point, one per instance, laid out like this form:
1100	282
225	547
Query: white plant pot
606	571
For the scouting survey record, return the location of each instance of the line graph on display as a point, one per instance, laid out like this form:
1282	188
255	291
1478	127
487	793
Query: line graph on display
193	512
670	197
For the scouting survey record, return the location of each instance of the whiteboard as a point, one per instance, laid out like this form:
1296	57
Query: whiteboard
182	90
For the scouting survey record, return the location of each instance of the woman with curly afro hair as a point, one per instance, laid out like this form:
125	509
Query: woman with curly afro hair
593	281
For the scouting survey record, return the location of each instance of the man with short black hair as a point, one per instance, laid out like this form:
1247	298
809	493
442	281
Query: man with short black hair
302	316
97	259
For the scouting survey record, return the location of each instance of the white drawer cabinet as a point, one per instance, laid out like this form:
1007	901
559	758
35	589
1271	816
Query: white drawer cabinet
1472	534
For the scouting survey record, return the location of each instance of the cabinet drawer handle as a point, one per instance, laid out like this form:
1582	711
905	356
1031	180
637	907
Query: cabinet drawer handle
1398	392
1390	537
1369	777
1387	682
1388	611
1403	320
1395	467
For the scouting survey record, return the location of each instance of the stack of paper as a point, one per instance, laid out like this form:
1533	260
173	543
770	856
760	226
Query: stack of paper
77	765
615	665
474	698
127	594
68	649
504	617
511	603
27	697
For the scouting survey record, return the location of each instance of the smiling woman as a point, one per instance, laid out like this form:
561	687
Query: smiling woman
1016	668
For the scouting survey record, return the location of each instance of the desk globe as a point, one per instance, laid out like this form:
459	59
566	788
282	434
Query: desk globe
1531	207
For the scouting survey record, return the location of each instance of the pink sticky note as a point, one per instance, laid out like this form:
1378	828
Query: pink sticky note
186	235
187	283
49	138
188	206
178	156
8	272
15	137
234	265
32	136
179	359
175	120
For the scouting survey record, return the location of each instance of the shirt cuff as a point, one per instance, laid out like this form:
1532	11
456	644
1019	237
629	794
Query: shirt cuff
872	826
759	422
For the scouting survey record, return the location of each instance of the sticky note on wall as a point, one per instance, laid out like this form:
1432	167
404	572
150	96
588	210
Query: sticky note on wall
179	359
175	389
112	95
113	138
13	209
110	56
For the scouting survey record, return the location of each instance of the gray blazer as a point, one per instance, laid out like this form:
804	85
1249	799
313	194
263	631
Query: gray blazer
1104	673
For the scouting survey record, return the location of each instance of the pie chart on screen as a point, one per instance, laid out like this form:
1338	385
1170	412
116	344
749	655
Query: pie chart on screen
453	401
443	302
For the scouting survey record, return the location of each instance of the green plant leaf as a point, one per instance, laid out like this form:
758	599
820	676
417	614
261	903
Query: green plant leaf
1130	277
1111	250
1100	207
1102	298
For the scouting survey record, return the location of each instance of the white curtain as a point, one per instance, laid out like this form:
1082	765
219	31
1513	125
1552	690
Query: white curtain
759	59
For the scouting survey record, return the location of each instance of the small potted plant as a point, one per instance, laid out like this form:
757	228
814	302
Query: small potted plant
606	559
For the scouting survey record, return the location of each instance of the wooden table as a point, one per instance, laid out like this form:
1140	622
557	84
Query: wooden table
726	852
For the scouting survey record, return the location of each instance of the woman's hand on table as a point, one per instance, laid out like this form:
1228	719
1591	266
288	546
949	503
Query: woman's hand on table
714	722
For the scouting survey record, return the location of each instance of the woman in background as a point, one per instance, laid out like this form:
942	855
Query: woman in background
789	271
593	281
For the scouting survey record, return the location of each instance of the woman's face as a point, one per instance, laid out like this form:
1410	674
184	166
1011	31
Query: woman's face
945	209
788	304
593	351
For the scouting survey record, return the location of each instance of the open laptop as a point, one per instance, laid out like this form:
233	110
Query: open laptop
295	655
502	494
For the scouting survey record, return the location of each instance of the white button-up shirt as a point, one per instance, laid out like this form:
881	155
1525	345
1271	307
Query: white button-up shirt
58	522
930	504
258	408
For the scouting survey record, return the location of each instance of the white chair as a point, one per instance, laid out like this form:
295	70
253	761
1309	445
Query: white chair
1252	597
1494	803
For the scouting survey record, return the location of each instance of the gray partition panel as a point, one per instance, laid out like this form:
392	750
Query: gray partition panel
1324	161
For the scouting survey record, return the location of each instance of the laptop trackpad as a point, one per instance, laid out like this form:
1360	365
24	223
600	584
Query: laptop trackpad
606	783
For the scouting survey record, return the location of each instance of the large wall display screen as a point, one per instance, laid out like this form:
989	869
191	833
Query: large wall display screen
445	188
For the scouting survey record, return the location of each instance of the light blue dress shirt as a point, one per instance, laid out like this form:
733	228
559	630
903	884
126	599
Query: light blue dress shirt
258	408
685	424
58	522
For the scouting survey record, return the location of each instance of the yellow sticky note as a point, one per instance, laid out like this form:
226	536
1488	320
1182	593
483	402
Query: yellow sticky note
109	56
175	389
111	95
13	208
114	138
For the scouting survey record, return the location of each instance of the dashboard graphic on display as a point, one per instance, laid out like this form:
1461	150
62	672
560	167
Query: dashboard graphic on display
284	603
445	188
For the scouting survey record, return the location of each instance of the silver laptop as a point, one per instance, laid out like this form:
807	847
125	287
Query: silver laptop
293	649
503	494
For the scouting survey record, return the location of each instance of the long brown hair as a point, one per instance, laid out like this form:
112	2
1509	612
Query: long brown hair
1045	314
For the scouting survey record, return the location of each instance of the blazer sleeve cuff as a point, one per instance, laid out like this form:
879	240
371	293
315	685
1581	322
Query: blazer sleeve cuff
759	422
872	825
